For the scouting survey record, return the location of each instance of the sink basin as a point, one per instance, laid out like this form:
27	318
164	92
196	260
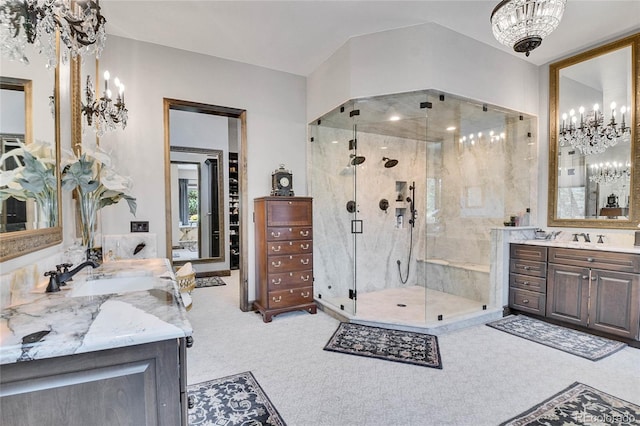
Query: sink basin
113	285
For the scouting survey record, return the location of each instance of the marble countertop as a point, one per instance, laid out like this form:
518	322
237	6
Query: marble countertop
582	245
46	325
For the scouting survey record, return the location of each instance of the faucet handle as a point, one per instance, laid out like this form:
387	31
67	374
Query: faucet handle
575	237
600	239
53	281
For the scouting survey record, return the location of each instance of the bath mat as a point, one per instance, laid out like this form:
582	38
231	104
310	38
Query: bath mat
392	345
209	282
579	404
232	400
565	339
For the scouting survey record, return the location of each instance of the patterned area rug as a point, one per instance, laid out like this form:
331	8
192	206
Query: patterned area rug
209	282
232	400
579	404
393	345
565	339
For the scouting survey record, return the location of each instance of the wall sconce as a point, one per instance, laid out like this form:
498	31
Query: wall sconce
107	114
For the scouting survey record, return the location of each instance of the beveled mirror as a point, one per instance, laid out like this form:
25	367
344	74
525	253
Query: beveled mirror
593	137
30	220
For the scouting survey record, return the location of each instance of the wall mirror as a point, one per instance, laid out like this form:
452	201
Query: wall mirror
30	114
594	180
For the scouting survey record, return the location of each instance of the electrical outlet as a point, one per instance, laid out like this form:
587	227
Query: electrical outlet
140	226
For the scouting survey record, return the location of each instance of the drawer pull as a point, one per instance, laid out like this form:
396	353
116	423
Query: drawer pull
526	268
589	259
275	249
304	233
274	282
594	278
276	265
305	261
279	299
585	277
304	246
305	295
304	278
525	301
275	234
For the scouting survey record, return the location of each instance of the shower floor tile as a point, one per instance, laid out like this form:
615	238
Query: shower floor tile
385	306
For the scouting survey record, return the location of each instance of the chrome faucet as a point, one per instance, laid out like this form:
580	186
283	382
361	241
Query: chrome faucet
57	278
586	237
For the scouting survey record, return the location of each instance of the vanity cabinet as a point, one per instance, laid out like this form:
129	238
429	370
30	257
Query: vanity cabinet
595	289
284	255
528	278
135	385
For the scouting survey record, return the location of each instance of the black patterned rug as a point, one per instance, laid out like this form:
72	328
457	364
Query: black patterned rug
565	339
209	282
392	345
579	404
232	400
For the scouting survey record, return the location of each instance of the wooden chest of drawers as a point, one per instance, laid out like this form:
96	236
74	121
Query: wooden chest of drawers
284	255
528	278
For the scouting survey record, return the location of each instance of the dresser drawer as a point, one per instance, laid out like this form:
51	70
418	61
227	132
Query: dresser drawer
287	212
289	247
285	234
289	280
527	252
528	282
527	301
294	262
528	267
614	261
285	298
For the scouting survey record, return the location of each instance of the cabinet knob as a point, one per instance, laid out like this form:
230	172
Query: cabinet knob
525	301
290	291
594	278
525	282
526	268
189	341
585	277
589	259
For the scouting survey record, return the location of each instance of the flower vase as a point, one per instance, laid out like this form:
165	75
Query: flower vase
47	212
88	225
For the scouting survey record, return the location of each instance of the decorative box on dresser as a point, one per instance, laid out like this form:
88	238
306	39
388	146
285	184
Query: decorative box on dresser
284	255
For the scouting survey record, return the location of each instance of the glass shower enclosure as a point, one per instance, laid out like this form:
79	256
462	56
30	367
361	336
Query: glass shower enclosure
406	189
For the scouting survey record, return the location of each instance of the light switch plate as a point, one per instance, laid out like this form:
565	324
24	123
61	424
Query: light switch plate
140	226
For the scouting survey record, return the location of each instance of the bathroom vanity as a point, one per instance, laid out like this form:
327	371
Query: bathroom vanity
109	348
595	287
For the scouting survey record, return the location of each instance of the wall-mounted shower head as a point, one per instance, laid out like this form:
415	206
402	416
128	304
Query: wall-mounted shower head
357	159
389	162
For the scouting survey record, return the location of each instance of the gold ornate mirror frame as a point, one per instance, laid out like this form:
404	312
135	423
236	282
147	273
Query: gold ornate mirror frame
633	219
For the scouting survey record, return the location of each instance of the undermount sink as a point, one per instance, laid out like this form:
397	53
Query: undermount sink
113	285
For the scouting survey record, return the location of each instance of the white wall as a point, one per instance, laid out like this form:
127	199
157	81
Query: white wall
276	124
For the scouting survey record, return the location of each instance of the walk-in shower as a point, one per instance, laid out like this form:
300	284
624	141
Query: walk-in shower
414	247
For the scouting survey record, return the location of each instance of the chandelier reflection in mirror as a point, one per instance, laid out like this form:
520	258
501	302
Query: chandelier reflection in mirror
610	172
591	135
23	22
108	115
522	24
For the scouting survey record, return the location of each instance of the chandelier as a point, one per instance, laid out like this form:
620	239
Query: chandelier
106	113
591	135
522	24
610	172
80	24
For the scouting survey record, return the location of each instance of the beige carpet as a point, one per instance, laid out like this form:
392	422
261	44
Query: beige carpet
490	376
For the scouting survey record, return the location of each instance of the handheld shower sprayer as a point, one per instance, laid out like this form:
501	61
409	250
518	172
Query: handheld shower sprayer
412	222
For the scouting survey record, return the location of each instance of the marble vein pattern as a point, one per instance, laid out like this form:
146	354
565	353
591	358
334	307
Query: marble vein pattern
69	325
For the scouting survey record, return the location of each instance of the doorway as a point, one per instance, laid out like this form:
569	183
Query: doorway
204	191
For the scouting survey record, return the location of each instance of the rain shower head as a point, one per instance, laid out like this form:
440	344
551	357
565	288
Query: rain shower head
389	162
357	159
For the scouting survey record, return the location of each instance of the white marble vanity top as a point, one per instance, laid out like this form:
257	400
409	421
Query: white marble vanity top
46	325
582	245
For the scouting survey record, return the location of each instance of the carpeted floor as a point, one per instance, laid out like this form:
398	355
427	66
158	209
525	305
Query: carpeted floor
209	282
575	342
232	400
392	345
579	404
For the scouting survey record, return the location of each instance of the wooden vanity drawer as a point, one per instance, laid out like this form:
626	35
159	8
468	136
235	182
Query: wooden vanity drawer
289	280
527	252
527	301
528	282
294	262
289	212
285	234
289	247
614	261
291	297
528	267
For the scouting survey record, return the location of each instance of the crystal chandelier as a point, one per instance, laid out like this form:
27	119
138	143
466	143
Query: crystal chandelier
610	172
80	24
106	113
591	135
522	24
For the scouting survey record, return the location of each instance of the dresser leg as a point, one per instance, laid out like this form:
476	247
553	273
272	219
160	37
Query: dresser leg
313	310
267	317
